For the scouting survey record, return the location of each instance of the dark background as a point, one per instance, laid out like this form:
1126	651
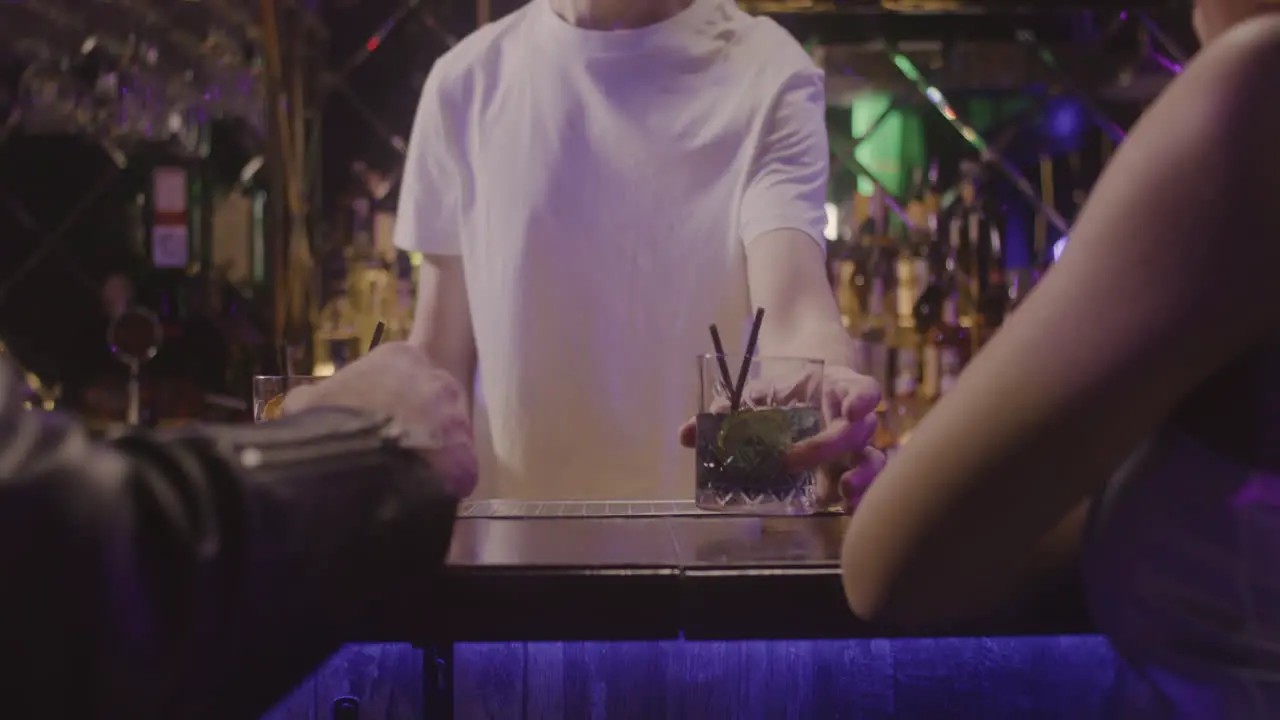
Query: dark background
50	313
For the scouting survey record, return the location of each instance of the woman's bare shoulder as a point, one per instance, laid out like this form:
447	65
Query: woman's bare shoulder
1238	74
1218	119
1257	38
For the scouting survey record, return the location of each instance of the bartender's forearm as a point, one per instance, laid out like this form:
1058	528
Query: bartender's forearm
818	339
442	319
787	276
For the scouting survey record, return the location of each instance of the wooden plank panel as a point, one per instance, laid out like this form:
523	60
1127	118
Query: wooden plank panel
1047	678
386	679
489	681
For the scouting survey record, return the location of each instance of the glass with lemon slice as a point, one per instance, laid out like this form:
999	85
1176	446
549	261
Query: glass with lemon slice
269	392
741	454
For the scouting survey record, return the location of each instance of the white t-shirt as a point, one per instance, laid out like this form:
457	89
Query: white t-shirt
601	188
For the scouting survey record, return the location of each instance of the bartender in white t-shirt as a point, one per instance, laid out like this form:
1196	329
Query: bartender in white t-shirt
592	184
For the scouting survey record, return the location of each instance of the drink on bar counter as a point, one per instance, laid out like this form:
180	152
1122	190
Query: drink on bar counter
741	454
742	460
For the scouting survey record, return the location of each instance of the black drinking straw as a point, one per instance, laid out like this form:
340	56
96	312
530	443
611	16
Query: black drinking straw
725	377
746	359
377	335
285	370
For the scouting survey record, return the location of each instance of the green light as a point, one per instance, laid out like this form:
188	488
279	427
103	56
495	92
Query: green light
880	146
907	68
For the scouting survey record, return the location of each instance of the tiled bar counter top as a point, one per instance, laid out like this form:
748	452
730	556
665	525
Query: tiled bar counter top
655	610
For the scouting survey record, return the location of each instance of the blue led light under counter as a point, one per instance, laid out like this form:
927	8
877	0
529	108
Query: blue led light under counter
1032	678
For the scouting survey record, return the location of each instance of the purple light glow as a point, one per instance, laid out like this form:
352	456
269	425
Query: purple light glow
1046	678
1167	64
1261	490
1065	118
1059	247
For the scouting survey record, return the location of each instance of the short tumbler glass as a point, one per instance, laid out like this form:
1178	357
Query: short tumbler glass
741	456
269	392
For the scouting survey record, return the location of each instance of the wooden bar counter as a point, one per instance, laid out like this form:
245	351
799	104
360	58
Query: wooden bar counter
649	571
655	610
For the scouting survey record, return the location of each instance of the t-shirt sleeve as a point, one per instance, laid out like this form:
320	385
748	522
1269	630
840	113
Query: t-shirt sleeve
788	183
429	213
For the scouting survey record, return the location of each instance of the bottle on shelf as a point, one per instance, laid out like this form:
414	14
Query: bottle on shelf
947	348
906	291
931	202
994	299
904	408
848	271
966	232
852	269
942	263
924	200
916	207
871	344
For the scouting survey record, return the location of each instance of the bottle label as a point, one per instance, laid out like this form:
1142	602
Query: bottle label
949	366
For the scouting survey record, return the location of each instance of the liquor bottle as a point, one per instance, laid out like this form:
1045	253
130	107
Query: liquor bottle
947	348
953	265
932	201
906	291
848	272
904	338
853	269
904	407
916	207
939	263
924	199
872	341
969	223
993	303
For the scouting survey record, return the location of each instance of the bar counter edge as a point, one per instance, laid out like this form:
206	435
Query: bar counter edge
730	578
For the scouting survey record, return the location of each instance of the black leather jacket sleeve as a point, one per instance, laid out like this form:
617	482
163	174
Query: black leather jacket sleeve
202	575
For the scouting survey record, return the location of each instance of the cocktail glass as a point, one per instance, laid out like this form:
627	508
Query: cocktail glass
269	392
741	455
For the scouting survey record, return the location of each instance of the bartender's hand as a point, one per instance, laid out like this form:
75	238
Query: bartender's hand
396	378
842	452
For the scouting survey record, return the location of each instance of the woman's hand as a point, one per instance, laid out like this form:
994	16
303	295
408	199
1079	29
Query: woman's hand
842	452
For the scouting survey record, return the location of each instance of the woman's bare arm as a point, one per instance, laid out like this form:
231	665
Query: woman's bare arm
1171	273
